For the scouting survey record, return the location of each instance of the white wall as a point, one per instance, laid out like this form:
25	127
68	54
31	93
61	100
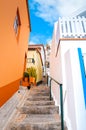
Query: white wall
55	68
75	98
65	45
70	115
65	69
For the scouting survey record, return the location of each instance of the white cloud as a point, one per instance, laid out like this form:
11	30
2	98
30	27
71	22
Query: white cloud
32	43
39	39
49	41
35	39
68	7
46	10
49	10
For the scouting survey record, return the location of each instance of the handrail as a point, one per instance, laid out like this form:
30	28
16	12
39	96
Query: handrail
61	99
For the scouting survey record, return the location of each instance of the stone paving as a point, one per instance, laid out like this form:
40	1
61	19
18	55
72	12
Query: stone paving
30	110
9	108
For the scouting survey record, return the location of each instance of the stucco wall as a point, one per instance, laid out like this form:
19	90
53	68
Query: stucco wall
12	50
70	78
76	111
55	72
38	64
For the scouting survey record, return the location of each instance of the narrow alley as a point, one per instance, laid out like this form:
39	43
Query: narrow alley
30	110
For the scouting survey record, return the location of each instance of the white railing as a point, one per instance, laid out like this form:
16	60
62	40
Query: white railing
72	27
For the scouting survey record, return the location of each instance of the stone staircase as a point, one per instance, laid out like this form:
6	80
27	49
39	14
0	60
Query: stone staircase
37	112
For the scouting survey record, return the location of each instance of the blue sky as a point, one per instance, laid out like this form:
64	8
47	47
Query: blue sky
43	15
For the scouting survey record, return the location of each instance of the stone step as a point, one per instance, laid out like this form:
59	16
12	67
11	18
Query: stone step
50	109
39	103
37	122
38	98
39	93
36	112
40	89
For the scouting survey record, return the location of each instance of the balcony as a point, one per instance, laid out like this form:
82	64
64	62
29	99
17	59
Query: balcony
71	27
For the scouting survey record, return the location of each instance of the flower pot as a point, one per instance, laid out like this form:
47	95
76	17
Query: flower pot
26	79
33	80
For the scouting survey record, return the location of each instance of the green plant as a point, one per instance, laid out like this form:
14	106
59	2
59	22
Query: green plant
25	74
32	72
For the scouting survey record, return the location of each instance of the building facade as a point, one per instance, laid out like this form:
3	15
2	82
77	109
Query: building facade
14	33
36	58
47	52
68	54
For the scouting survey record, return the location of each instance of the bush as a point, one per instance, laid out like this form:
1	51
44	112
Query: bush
32	72
25	74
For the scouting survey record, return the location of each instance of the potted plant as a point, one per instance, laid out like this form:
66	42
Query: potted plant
25	81
25	76
32	74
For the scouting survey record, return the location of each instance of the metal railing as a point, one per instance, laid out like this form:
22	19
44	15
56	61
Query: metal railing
61	98
72	27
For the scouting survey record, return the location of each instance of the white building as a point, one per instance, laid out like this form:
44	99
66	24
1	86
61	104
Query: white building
47	53
68	53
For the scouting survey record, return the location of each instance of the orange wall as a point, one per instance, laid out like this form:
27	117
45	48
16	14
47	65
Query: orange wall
7	91
12	51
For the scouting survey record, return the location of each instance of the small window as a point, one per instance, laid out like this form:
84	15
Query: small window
47	64
30	60
17	23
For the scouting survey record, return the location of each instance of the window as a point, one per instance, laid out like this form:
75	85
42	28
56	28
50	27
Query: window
47	64
17	23
30	60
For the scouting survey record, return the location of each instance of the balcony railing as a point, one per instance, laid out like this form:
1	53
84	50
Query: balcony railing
71	27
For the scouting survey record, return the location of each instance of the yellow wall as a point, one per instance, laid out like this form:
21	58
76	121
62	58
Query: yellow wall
12	50
37	65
